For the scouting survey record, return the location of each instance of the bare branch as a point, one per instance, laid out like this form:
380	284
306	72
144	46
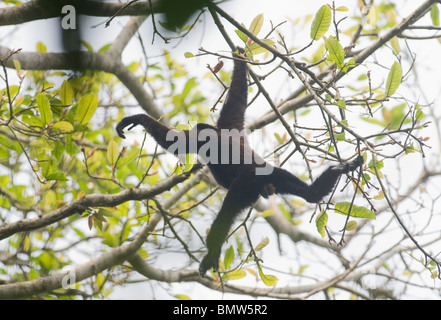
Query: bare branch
42	9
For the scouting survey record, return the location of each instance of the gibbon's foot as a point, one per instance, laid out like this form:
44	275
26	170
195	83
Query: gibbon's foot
350	166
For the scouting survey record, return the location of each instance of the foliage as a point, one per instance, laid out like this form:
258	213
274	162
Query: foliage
73	194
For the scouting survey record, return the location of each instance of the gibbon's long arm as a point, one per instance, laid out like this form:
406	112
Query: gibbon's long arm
163	135
242	179
155	128
232	115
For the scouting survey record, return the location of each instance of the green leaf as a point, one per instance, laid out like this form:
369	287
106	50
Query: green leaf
188	55
128	157
256	24
419	114
229	257
5	141
58	151
321	22
268	279
356	211
112	152
255	48
63	126
41	47
45	108
189	161
342	104
66	93
71	147
58	176
434	15
17	65
267	213
13	90
262	244
320	223
46	261
350	64
104	48
191	83
242	35
393	79
86	108
351	225
178	169
395	45
377	164
340	136
302	268
236	274
396	116
373	16
87	45
336	53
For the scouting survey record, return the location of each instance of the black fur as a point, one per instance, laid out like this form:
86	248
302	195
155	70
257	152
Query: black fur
239	177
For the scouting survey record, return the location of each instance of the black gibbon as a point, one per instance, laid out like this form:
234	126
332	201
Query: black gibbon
233	163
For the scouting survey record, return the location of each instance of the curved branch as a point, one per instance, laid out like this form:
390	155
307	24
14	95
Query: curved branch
125	35
287	292
91	200
88	60
105	261
43	9
109	61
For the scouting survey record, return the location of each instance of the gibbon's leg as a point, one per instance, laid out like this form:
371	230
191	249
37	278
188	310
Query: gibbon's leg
286	183
243	192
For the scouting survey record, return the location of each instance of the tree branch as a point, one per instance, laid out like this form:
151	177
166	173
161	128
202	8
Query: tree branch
93	61
91	200
359	58
46	9
95	266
